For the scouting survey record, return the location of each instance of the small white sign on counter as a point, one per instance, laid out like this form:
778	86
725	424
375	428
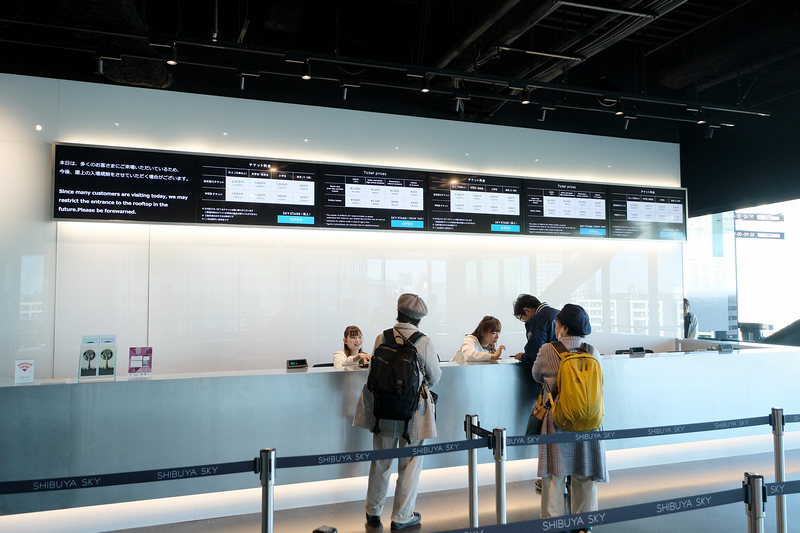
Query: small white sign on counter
23	371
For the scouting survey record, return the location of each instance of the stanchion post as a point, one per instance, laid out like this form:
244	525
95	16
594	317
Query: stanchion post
267	485
472	456
500	446
754	501
777	421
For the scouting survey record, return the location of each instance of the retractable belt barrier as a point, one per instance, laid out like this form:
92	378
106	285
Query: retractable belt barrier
127	478
484	438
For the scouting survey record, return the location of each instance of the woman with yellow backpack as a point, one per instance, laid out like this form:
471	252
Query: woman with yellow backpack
584	461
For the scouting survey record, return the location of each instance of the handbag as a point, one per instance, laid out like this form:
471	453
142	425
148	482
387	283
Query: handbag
536	419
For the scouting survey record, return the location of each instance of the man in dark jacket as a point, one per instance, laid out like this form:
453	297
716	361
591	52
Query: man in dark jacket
539	329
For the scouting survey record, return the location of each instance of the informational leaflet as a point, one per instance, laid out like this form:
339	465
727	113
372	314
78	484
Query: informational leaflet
475	204
23	371
140	362
98	356
367	197
88	357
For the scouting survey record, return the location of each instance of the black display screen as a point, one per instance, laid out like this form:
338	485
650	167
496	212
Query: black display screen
257	192
647	213
567	209
378	198
104	183
113	184
475	204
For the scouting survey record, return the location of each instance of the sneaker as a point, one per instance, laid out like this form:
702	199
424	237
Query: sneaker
373	520
538	485
416	518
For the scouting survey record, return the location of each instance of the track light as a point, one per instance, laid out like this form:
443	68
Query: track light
173	58
627	123
344	93
542	114
99	69
241	82
701	117
306	70
426	85
618	110
527	98
710	130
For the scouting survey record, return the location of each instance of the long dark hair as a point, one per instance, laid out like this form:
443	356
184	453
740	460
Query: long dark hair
486	325
351	331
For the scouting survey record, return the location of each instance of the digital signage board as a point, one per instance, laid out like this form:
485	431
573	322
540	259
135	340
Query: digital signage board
92	183
647	213
377	198
257	192
474	204
566	209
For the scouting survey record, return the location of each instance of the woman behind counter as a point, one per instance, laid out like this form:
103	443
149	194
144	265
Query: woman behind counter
480	345
351	354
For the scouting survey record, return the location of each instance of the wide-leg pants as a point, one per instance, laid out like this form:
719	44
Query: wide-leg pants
405	492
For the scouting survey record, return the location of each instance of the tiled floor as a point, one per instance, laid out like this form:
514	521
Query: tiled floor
448	510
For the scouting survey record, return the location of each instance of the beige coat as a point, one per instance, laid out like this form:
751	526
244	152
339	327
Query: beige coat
423	425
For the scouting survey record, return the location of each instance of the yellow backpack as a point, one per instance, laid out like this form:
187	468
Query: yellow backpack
579	401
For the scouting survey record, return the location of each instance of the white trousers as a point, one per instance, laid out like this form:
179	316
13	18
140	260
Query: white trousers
405	491
582	490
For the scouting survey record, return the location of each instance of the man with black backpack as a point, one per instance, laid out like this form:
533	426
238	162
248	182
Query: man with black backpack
397	405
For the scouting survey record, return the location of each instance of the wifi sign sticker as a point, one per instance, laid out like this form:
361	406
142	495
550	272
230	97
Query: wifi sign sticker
23	372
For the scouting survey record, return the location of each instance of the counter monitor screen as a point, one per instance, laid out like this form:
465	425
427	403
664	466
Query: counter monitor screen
377	198
647	213
93	183
568	209
475	204
258	192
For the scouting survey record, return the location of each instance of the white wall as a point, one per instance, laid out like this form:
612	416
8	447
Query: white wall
244	298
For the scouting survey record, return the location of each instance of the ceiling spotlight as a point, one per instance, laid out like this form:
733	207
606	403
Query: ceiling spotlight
99	69
344	93
426	85
542	114
527	98
306	70
173	58
241	82
701	117
618	110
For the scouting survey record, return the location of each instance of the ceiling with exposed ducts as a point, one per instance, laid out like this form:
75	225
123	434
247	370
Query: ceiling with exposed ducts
667	70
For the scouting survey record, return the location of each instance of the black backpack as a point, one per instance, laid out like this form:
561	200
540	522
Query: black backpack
394	380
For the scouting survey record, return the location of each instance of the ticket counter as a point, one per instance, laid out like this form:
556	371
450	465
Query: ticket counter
58	429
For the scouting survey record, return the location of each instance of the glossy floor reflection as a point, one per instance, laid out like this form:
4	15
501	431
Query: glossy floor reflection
448	510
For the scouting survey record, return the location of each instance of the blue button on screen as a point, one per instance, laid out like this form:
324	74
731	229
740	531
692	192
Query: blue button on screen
508	228
593	231
290	219
408	223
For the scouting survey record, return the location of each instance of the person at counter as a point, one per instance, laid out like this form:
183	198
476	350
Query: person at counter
689	322
538	318
410	309
479	346
351	354
584	461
